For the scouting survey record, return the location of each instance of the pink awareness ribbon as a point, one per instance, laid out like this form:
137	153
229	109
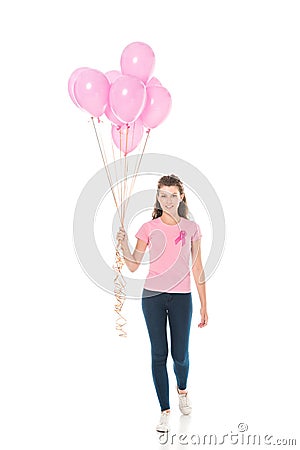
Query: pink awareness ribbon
181	237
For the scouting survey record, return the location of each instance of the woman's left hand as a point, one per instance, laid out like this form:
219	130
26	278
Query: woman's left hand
204	318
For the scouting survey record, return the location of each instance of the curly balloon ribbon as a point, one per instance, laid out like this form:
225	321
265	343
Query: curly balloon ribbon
119	290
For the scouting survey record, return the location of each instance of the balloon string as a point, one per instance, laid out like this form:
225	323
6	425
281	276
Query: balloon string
116	177
125	171
123	152
122	180
106	168
133	126
137	166
119	282
132	134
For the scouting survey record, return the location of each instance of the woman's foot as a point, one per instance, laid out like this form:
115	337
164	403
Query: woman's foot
163	425
184	401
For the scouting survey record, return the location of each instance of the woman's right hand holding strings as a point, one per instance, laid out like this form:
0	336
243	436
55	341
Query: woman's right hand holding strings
122	238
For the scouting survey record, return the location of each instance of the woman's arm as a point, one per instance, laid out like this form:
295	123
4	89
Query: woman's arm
199	277
132	261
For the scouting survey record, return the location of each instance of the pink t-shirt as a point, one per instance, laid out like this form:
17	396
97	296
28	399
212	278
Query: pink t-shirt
170	254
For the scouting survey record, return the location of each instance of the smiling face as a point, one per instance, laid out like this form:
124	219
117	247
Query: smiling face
169	198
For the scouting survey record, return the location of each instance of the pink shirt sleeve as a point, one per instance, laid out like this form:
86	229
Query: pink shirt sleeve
142	233
197	233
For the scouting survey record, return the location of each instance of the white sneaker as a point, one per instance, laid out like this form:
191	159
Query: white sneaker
184	403
163	425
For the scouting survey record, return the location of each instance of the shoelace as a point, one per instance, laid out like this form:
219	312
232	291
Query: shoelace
183	398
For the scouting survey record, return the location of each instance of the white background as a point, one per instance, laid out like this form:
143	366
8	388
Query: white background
232	68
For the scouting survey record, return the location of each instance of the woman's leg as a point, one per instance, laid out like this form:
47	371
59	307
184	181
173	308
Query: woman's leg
180	316
154	309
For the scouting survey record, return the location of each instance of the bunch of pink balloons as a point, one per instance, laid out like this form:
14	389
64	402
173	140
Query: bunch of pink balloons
130	98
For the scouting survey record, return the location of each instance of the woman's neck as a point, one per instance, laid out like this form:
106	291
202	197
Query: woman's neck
167	218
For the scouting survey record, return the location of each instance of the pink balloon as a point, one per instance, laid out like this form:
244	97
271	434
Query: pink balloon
110	115
71	83
157	106
91	91
127	137
153	82
112	75
138	59
127	97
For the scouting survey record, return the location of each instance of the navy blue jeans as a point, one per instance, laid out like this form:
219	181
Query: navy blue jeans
177	308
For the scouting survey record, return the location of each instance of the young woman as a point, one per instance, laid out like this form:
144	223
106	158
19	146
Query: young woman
172	239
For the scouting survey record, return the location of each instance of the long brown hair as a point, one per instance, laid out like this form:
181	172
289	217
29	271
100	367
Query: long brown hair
171	180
